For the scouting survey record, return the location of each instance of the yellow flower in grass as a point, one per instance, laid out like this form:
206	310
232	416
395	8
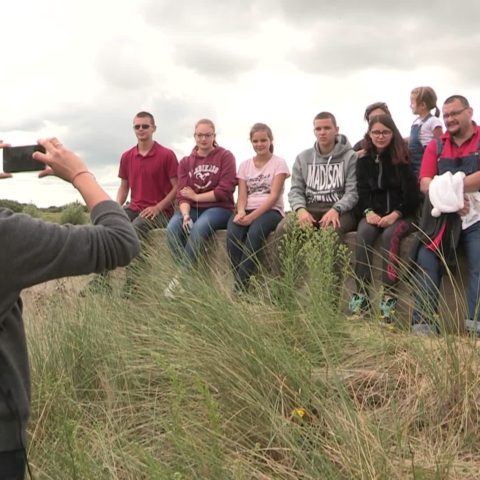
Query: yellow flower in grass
298	414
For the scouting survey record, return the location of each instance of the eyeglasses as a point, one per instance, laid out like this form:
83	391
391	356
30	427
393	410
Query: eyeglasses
206	136
454	113
381	133
142	126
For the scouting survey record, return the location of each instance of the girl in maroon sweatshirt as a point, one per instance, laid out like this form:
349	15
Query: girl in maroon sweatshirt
206	182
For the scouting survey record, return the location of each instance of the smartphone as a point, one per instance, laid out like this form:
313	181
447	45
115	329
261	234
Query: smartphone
19	159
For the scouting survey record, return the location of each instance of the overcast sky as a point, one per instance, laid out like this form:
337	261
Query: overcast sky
81	69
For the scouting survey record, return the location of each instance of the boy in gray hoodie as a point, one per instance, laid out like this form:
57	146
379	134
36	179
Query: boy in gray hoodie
324	185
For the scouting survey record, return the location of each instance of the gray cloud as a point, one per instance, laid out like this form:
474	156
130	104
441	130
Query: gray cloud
29	124
207	17
403	36
120	66
436	18
210	60
202	33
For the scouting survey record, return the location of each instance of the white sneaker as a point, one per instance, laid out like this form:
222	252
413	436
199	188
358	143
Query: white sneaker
172	288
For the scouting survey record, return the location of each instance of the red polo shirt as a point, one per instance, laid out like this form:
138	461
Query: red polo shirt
148	176
429	166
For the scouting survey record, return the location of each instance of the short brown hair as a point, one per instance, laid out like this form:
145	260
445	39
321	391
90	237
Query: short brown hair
325	116
143	114
460	98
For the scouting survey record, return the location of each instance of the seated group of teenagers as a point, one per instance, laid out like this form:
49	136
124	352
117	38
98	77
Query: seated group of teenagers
377	187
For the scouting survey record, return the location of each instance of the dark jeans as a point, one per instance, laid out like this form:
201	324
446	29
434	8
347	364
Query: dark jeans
430	272
12	465
391	237
142	225
244	244
184	247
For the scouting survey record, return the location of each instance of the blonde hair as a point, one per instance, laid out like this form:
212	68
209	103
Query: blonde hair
207	121
428	96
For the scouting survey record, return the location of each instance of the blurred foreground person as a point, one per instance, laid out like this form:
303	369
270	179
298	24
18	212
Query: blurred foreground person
32	252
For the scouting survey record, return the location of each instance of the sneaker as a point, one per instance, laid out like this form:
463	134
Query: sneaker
359	304
173	289
472	327
388	305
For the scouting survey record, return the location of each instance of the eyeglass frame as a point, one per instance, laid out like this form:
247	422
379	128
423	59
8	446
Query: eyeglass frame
454	113
206	136
381	133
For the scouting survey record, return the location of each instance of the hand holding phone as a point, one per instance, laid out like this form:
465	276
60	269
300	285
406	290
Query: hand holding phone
19	159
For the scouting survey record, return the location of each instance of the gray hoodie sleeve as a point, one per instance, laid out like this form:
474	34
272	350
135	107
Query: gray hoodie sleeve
350	197
34	251
296	195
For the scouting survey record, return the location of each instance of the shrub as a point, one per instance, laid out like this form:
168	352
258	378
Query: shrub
32	210
11	204
73	213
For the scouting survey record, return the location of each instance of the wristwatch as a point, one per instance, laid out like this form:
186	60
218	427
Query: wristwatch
337	209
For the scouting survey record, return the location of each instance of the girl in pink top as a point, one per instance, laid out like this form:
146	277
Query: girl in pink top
259	206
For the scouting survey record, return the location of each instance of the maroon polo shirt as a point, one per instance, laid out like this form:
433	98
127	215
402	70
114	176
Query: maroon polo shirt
148	176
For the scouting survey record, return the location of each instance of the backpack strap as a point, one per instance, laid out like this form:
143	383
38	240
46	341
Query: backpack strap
440	145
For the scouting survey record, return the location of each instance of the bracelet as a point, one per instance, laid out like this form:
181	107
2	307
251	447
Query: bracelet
367	211
78	174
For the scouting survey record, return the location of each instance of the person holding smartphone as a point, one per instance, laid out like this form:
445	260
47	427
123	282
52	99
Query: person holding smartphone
45	250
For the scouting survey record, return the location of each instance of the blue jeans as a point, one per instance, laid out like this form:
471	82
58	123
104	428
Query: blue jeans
429	277
244	244
186	248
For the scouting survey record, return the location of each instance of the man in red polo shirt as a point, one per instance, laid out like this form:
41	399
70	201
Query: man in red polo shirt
456	151
148	171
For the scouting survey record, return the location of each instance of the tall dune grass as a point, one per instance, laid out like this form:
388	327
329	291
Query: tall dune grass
278	384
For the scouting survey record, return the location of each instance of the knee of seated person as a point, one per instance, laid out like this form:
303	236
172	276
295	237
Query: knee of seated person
175	223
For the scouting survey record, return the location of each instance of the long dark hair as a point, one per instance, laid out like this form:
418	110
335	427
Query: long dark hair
397	148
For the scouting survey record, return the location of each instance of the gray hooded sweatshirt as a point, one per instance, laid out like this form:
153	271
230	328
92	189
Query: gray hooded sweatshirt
31	252
330	179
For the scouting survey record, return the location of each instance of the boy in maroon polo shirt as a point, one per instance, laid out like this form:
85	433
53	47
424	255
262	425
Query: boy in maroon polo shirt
149	172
